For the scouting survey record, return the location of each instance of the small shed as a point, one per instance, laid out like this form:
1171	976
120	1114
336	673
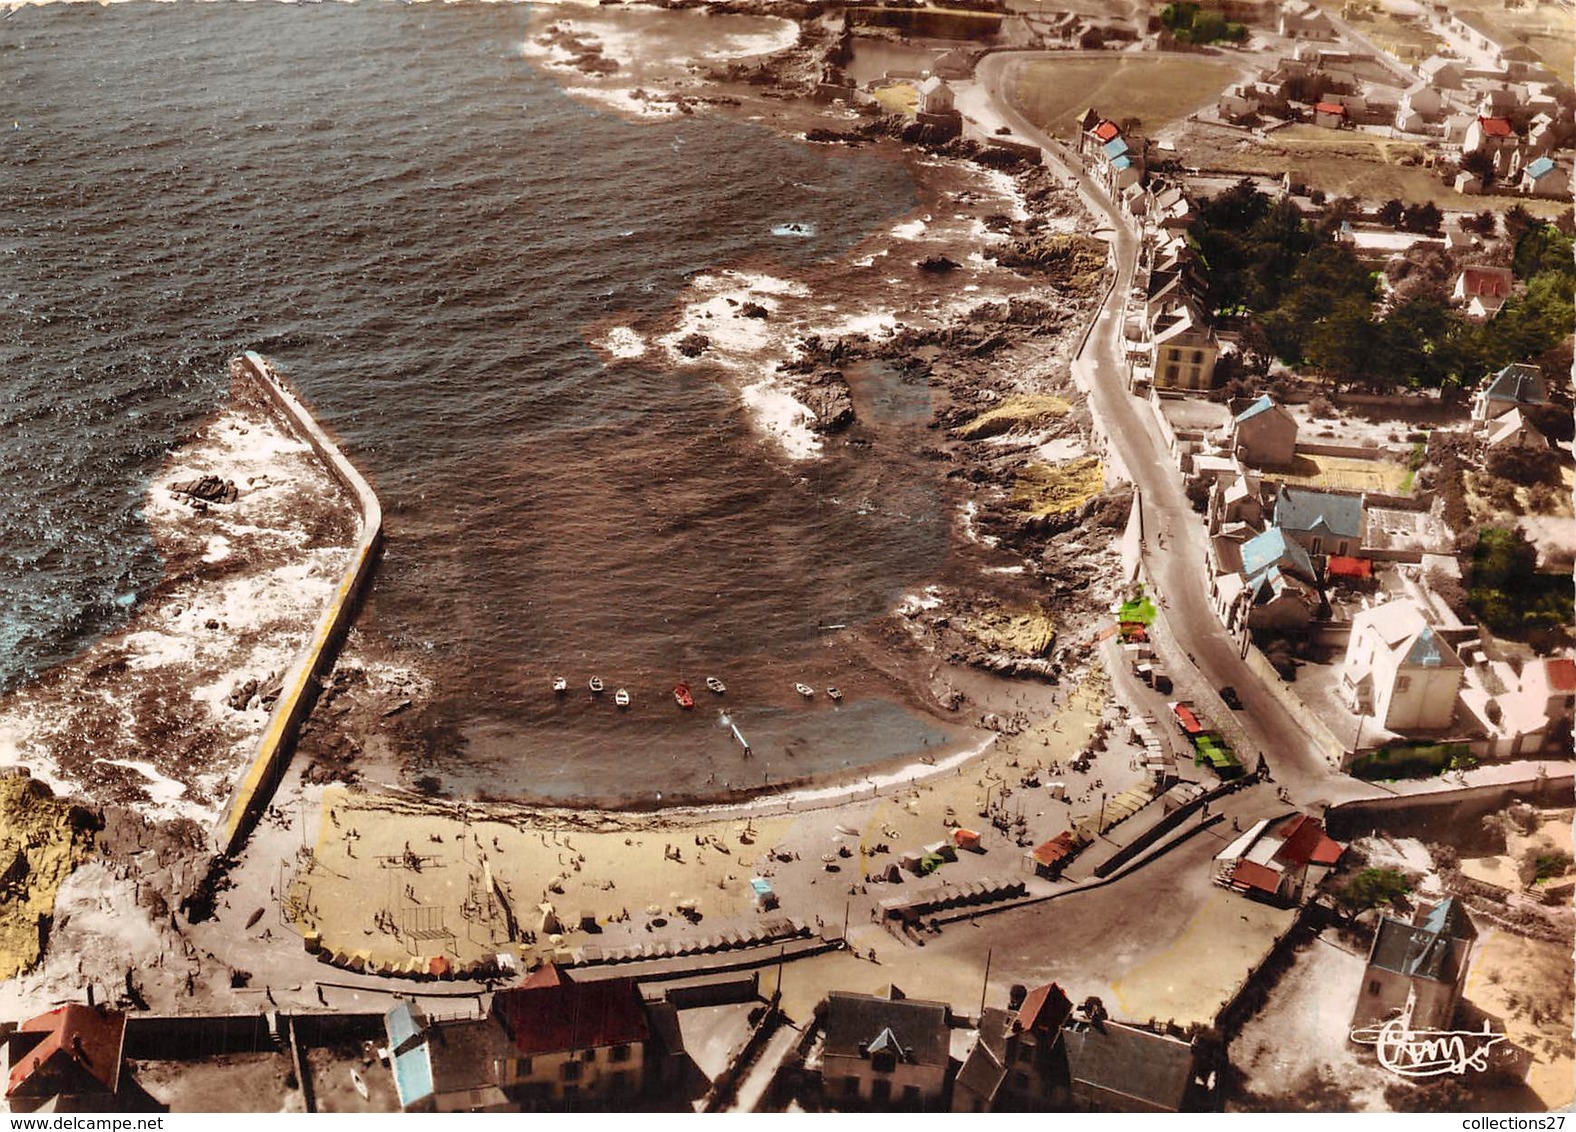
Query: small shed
967	839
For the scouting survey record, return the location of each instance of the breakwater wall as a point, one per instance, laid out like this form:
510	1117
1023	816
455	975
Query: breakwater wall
298	692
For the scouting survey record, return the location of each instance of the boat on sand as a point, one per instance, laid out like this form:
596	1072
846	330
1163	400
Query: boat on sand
596	685
804	690
681	694
621	697
716	685
560	685
833	692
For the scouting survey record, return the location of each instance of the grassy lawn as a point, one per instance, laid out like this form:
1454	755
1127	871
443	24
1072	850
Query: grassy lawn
1351	163
1349	473
899	98
1155	89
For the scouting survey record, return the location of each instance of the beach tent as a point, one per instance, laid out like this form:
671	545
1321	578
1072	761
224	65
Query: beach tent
765	898
943	849
929	863
547	922
911	860
966	839
440	967
892	874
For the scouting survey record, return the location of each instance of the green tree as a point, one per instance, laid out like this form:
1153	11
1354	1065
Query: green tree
1371	888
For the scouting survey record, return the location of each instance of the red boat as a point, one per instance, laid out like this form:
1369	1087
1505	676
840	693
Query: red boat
681	693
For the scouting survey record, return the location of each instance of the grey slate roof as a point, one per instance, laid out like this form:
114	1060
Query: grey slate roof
1300	510
986	1064
1522	384
1152	1069
1433	948
919	1027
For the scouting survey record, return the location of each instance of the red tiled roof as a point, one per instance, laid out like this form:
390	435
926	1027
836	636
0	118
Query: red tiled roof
1306	843
77	1036
1495	127
1187	719
1328	108
1344	566
1049	852
562	1015
1105	131
1044	1010
1486	281
547	975
1562	674
1248	874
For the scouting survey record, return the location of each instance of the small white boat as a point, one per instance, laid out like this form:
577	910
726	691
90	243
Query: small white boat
716	685
834	693
621	698
596	685
804	690
560	685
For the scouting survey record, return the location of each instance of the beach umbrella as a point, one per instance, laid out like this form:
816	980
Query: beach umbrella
439	966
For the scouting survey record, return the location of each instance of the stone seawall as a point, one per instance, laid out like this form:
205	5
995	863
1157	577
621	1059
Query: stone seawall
297	695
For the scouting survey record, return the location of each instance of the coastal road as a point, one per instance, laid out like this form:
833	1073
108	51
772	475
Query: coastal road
1173	549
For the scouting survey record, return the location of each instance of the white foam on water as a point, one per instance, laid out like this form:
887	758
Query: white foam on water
621	342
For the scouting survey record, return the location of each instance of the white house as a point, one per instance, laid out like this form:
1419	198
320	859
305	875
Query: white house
1304	20
1398	671
935	96
1513	430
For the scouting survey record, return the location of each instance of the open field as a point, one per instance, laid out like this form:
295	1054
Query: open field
1153	89
1341	163
1526	984
1346	473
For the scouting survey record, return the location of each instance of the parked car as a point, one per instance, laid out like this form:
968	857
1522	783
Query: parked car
1229	697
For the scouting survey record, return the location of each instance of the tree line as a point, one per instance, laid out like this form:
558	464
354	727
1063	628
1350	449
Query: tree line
1307	299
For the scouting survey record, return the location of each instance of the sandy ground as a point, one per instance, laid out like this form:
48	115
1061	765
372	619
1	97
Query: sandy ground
1302	1031
1526	985
395	876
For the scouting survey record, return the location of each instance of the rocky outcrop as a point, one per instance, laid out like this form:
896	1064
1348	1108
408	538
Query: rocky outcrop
209	489
828	397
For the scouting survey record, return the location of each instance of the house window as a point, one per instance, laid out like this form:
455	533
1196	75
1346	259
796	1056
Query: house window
618	1054
850	1086
570	1071
588	1055
880	1090
1198	357
884	1061
1025	1051
522	1067
1402	683
1171	373
1317	547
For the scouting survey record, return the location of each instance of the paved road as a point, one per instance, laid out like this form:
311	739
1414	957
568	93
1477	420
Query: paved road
1173	554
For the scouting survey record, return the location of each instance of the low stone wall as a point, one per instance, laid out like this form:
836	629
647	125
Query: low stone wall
298	692
1423	815
1351	451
